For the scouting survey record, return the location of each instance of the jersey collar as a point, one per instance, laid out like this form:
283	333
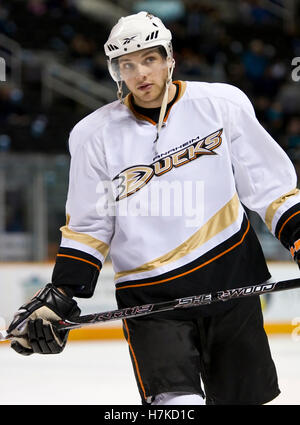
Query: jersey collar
128	102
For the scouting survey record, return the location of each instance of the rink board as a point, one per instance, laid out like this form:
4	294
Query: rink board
19	281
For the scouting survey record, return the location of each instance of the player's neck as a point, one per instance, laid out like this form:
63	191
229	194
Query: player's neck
157	102
153	113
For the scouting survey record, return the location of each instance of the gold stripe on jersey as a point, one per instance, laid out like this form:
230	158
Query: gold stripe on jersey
200	266
273	207
85	239
226	216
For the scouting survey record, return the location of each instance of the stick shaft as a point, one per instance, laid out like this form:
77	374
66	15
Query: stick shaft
181	303
178	303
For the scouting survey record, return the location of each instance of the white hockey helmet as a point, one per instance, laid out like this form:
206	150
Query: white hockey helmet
136	32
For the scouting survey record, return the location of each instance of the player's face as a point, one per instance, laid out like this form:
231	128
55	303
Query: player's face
145	74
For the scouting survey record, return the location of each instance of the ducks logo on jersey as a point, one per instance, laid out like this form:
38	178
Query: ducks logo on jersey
134	178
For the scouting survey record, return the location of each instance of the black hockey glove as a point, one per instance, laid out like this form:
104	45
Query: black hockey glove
32	327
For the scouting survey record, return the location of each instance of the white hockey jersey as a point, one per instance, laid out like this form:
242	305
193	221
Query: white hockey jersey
171	213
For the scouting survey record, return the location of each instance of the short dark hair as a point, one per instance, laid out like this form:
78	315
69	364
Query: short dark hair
162	51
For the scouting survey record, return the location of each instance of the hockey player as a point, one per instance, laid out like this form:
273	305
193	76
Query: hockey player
204	140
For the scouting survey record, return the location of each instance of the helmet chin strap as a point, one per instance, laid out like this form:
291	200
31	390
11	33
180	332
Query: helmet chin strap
120	91
164	104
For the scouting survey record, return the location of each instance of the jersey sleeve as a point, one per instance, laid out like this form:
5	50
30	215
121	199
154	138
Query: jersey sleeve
266	179
89	225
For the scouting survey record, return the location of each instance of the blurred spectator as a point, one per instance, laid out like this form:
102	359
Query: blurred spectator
12	111
293	138
252	12
195	20
5	143
193	65
7	25
37	7
255	61
207	48
82	46
99	67
38	126
275	119
15	214
82	51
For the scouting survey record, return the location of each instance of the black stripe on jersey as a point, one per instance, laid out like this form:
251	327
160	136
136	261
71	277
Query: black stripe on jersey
288	226
76	272
238	261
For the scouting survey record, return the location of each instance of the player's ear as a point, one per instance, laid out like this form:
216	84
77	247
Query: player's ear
170	63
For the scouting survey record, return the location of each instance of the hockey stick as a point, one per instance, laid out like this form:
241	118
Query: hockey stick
178	303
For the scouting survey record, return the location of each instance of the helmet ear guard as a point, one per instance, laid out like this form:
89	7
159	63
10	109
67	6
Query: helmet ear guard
114	70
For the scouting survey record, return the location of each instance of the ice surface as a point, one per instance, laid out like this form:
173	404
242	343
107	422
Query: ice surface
100	373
